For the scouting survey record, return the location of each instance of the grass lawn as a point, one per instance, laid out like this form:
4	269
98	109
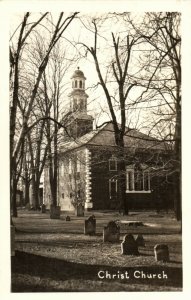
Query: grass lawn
56	256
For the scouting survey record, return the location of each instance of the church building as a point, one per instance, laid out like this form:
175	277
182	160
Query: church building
88	171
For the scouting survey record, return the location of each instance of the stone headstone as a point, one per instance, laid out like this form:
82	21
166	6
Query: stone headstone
54	212
90	225
161	252
28	206
129	245
43	209
111	232
140	241
68	218
80	210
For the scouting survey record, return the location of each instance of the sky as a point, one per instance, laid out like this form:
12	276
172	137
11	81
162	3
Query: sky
81	31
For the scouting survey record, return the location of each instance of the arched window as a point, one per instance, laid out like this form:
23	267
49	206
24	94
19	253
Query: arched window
80	84
113	163
76	83
137	179
112	188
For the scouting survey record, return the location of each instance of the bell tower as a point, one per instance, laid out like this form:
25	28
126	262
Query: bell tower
78	96
80	122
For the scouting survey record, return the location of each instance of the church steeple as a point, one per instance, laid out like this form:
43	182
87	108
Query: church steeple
80	122
78	80
78	96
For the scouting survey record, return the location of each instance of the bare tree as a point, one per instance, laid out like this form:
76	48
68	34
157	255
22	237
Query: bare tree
147	60
161	32
117	84
16	54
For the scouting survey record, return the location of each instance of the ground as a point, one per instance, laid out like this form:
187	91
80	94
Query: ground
56	256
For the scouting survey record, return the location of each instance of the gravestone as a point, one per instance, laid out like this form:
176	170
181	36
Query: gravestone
161	252
129	245
54	212
68	218
80	210
111	232
90	225
140	241
43	209
28	206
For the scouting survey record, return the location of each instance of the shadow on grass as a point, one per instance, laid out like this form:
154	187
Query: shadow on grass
56	269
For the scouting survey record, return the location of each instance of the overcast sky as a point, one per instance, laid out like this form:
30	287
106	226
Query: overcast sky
81	31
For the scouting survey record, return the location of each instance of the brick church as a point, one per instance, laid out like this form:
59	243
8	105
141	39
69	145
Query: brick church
88	165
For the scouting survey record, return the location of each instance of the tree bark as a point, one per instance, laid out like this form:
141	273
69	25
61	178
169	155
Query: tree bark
14	197
26	195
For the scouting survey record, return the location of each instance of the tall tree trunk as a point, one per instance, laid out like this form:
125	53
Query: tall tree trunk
177	176
13	187
14	197
123	205
55	180
177	196
26	195
35	192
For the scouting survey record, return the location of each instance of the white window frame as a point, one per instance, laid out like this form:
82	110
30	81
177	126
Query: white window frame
110	182
130	173
113	159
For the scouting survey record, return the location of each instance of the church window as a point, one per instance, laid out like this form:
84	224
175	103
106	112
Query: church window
80	84
112	188
130	183
137	180
76	84
113	163
146	181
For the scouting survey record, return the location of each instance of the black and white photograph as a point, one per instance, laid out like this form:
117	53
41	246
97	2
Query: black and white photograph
95	149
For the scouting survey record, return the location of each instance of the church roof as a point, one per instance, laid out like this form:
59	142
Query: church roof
105	137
